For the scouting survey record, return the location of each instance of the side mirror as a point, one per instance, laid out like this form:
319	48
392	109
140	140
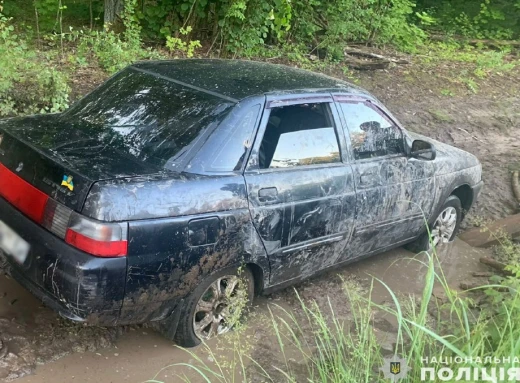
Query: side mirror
423	150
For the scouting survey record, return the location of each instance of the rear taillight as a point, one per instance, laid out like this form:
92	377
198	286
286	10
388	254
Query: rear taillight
56	218
20	193
96	238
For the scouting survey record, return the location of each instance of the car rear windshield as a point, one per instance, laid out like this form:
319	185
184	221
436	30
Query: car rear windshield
146	116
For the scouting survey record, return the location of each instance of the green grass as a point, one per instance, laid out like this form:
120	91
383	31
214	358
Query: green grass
330	349
468	65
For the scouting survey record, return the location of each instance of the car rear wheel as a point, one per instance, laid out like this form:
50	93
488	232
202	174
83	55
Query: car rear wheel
443	229
215	306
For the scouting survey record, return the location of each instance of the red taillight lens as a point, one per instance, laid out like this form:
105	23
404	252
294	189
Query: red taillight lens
20	193
94	247
97	238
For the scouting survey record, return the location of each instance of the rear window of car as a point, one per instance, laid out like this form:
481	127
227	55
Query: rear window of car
148	117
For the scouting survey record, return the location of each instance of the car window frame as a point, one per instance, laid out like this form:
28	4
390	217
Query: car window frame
355	99
252	164
246	104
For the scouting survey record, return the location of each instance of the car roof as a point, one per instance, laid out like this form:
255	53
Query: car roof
235	80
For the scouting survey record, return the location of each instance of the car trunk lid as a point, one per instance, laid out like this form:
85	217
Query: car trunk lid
60	160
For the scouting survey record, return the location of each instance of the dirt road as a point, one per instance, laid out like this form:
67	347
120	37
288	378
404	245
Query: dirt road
34	334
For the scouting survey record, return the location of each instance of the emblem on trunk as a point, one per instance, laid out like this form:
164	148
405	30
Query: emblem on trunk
67	181
20	167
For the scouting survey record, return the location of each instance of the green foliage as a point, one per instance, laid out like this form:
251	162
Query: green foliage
77	13
115	51
372	21
246	25
243	27
158	20
29	83
186	48
495	19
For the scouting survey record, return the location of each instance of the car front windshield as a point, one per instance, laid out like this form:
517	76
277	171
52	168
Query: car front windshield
148	117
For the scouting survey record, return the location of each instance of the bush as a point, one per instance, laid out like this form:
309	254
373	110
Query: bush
29	83
481	19
331	24
112	50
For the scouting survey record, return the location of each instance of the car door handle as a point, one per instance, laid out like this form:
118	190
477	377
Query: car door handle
268	194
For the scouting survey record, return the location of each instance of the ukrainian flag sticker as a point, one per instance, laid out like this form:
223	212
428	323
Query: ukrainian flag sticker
67	181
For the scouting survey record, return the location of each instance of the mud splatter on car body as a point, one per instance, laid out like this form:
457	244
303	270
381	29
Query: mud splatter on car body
189	192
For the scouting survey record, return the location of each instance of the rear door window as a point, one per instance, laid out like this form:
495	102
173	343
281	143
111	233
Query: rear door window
227	147
299	135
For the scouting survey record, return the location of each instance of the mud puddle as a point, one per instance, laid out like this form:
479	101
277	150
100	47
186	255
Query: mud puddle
31	334
37	337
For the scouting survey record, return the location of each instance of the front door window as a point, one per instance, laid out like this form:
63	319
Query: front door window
371	133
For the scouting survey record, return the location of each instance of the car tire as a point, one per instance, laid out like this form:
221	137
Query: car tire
451	206
192	317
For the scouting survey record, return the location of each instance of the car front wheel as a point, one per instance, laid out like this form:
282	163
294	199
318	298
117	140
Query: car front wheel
443	229
215	306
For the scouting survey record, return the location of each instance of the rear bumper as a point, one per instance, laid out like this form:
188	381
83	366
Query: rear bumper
76	285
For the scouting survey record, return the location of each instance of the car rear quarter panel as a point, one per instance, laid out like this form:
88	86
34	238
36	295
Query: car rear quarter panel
164	265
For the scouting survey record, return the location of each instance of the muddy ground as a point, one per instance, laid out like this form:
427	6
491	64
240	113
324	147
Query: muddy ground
486	124
32	334
38	341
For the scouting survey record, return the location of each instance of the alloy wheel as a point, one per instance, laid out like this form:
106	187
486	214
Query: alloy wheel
444	226
217	308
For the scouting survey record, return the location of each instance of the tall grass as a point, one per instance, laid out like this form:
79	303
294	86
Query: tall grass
477	324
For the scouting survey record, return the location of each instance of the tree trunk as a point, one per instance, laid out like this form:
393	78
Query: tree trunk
113	10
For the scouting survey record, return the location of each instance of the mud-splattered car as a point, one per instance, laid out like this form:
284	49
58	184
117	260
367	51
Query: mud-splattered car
176	183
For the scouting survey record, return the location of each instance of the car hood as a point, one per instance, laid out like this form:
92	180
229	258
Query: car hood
449	159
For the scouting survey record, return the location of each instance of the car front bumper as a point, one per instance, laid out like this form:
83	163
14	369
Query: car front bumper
77	285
